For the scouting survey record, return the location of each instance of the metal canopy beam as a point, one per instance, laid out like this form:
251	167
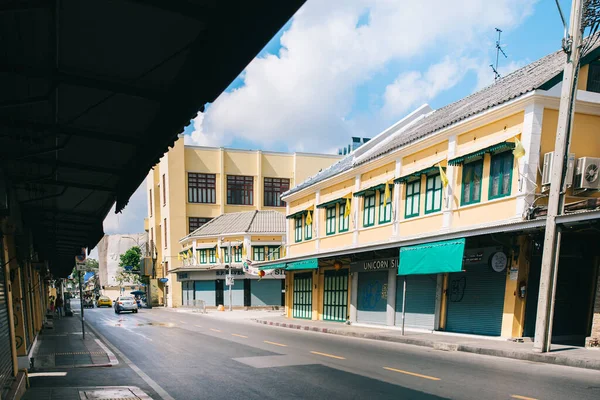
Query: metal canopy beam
79	166
87	186
84	79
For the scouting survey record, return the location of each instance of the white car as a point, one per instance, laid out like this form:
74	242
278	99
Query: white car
125	303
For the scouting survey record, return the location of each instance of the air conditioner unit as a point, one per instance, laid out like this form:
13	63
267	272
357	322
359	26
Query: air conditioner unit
586	173
547	170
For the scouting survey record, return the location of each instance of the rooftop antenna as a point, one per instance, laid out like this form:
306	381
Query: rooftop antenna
498	51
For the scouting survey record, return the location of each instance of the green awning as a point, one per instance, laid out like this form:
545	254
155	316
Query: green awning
415	175
493	148
370	191
332	203
273	266
311	263
297	214
432	258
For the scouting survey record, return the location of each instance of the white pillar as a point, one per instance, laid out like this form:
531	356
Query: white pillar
531	137
448	201
396	200
391	297
355	210
317	219
353	296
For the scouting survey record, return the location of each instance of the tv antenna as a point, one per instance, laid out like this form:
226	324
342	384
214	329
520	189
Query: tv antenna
498	52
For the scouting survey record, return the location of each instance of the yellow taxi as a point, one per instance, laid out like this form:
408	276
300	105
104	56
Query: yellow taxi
104	301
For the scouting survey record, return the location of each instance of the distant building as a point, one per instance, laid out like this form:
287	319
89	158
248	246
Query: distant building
110	248
192	185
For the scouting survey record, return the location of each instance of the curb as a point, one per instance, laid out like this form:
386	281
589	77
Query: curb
444	346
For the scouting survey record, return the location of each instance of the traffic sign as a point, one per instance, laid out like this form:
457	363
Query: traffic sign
80	266
229	280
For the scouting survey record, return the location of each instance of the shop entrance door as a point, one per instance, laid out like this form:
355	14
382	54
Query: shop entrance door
302	307
335	296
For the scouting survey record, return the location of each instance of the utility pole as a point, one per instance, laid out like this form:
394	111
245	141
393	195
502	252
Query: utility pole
230	277
81	304
550	255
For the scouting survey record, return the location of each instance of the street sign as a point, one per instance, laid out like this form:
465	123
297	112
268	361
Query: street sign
229	280
80	266
128	267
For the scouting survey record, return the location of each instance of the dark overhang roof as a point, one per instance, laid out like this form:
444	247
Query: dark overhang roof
94	93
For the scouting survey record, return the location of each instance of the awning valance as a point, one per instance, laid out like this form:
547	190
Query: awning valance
233	244
297	214
204	246
273	266
332	203
369	191
432	258
415	175
311	263
490	149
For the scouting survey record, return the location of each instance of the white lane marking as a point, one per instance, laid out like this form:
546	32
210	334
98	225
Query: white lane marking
159	390
36	374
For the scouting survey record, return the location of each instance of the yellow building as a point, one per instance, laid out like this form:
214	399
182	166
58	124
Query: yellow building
380	238
233	241
192	185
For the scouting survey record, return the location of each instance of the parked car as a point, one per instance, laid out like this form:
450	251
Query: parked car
104	301
88	302
125	303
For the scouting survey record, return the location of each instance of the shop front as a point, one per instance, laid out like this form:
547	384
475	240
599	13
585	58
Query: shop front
372	289
475	295
247	290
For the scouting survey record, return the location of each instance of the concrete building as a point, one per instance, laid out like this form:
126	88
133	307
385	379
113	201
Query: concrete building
437	223
236	241
192	185
110	249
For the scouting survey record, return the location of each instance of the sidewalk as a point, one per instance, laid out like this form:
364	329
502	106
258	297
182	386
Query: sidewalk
561	355
62	347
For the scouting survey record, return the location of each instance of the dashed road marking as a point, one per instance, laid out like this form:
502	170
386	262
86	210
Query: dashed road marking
516	396
183	322
328	355
198	326
242	336
433	378
215	330
275	344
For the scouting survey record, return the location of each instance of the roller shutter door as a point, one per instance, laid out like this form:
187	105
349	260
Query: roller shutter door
187	288
420	301
238	293
266	292
6	365
476	301
372	297
205	290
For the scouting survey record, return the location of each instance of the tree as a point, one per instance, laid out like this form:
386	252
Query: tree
132	258
124	278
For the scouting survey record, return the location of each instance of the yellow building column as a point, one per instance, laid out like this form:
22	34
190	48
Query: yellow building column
317	303
444	303
289	294
9	250
513	318
28	301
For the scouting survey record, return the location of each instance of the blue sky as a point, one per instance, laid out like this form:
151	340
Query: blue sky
345	68
531	30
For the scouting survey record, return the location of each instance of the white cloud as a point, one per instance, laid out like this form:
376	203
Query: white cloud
131	219
301	98
413	88
201	138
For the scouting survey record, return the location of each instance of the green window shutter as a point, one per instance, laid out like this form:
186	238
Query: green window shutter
413	199
433	194
330	220
212	253
344	221
226	255
471	182
202	256
369	210
308	231
385	210
258	253
298	229
273	253
238	254
501	167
